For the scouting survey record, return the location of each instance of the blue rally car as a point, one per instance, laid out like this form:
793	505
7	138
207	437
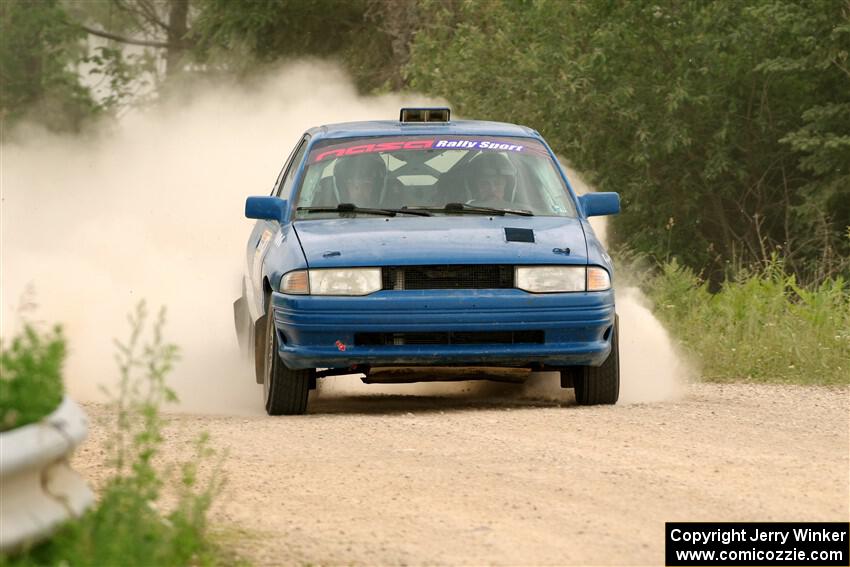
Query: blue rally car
426	242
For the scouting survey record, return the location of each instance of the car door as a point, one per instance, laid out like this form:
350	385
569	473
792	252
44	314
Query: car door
266	232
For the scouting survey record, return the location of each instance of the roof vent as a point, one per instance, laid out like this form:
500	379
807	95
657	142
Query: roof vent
409	115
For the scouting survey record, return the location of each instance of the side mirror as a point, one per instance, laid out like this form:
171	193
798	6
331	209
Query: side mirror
599	204
266	208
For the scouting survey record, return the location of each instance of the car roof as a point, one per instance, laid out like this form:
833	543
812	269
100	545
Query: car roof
396	128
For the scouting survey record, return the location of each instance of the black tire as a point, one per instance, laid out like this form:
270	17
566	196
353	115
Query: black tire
596	385
285	391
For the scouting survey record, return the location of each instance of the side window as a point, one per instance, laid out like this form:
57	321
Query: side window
285	186
284	169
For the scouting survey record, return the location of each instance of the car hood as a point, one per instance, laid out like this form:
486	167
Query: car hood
440	240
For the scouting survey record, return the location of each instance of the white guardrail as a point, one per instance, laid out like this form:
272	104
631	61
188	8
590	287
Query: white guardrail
38	489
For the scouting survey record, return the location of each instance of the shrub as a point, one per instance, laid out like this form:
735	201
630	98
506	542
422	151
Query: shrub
126	526
762	326
30	376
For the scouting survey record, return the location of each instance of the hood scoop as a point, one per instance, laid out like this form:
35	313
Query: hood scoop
519	234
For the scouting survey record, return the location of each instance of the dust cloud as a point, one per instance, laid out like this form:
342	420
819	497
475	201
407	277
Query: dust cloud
651	368
151	208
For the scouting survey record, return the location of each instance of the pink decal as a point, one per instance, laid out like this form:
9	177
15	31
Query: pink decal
372	148
388	146
323	155
360	149
418	144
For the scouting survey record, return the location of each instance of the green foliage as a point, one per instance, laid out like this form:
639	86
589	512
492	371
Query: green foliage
39	50
730	118
121	76
761	327
127	527
370	37
30	377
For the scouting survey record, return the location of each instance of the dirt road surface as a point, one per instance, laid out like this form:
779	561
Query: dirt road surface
460	479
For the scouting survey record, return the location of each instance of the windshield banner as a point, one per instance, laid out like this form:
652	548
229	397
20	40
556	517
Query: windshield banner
396	143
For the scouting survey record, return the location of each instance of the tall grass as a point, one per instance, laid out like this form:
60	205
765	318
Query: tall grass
127	526
760	327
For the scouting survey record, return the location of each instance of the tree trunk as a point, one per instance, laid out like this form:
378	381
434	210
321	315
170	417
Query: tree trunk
177	29
399	20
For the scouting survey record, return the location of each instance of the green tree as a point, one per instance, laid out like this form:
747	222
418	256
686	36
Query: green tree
722	124
813	57
39	52
370	37
162	27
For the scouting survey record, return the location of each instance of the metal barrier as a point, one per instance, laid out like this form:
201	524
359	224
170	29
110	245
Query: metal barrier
39	489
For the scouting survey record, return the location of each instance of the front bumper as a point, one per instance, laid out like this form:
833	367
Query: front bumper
319	332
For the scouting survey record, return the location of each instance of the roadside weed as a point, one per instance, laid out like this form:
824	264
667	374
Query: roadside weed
30	376
128	526
760	327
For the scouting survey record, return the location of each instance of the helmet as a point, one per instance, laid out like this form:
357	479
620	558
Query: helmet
362	166
488	165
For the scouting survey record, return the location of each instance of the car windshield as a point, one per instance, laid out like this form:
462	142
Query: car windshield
430	172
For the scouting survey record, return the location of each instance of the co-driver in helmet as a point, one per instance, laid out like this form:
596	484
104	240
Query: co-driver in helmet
491	180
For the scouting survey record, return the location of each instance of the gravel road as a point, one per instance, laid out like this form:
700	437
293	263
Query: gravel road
498	479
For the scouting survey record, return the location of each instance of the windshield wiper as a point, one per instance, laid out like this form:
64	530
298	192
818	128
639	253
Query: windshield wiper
465	209
351	208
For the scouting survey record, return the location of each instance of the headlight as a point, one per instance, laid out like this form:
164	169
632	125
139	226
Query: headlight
351	281
555	279
550	279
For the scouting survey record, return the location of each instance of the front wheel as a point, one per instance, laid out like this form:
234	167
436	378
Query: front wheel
285	391
595	385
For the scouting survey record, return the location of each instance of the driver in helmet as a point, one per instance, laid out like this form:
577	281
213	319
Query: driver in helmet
491	181
360	179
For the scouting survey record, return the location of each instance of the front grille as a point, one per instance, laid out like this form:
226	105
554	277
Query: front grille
449	276
450	338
